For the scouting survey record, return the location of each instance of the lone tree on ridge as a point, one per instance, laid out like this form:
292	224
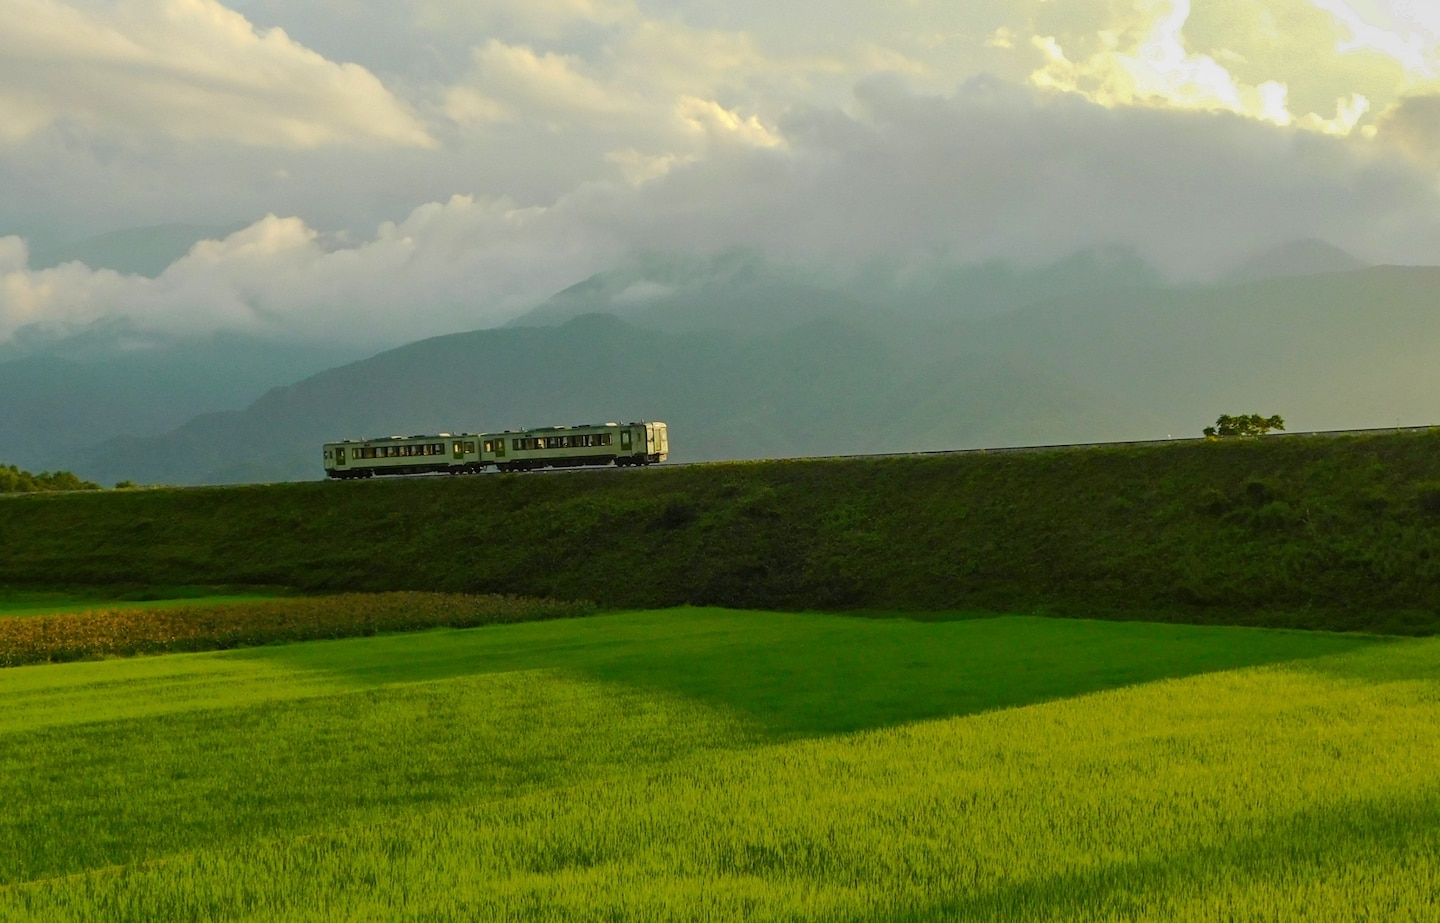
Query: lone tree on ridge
1245	424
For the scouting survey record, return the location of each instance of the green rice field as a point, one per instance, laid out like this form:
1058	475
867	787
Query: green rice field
706	764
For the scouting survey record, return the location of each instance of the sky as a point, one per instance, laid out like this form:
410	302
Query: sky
406	169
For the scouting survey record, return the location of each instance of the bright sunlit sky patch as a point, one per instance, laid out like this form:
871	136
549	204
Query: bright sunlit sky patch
427	165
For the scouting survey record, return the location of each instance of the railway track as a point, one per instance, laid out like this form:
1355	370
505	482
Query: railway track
994	450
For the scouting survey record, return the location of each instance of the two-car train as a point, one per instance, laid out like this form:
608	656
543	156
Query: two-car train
462	453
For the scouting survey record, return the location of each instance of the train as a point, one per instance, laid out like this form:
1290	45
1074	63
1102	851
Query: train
620	444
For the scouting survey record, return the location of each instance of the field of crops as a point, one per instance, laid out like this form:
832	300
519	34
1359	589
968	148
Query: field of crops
709	764
121	630
39	603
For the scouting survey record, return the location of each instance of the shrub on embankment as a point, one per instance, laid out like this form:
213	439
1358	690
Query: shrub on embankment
126	632
1337	532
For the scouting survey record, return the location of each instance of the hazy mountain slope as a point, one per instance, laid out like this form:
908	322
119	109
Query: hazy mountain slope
820	389
736	290
741	291
1298	258
1346	350
58	400
1349	349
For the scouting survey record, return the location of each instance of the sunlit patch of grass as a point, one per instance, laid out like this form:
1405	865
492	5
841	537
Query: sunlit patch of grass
711	765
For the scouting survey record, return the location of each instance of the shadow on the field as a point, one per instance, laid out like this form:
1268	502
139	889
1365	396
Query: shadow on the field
806	675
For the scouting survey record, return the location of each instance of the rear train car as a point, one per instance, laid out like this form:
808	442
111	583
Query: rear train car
395	455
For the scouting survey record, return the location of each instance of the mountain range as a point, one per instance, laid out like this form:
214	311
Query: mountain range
745	359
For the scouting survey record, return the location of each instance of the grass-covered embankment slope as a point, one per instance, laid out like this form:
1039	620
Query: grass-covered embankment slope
712	765
1316	532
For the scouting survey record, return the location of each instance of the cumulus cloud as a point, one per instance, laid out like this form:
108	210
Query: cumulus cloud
449	265
189	70
992	171
1147	61
1413	126
510	81
579	132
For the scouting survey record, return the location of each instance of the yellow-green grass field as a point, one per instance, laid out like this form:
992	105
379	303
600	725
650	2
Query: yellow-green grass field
700	764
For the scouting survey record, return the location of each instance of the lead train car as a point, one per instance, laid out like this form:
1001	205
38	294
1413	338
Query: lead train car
552	447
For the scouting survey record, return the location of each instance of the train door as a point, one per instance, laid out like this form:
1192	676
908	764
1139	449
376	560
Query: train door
625	443
339	456
500	447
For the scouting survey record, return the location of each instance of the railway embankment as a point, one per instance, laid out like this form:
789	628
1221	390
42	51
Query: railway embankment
1328	532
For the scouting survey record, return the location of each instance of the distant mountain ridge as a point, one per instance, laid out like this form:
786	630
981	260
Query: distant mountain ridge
1294	259
739	290
1344	350
80	391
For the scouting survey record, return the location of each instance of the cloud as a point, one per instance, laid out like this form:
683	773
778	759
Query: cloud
994	170
1145	59
188	70
533	19
459	264
511	81
1413	126
1408	33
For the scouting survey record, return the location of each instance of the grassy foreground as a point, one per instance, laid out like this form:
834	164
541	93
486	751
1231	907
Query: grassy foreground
717	765
1329	533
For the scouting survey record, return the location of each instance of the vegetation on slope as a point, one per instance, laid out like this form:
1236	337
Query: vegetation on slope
15	481
1339	533
130	631
719	765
